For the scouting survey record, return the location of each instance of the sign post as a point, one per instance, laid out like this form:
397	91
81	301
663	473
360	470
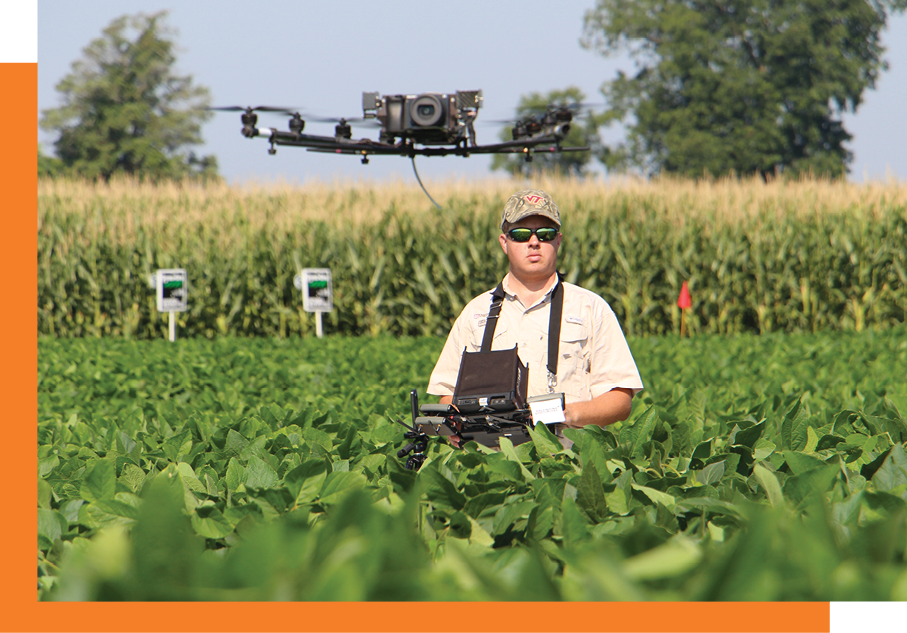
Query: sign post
317	293
172	286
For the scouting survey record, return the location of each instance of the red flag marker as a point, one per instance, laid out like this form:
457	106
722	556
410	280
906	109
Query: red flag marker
684	302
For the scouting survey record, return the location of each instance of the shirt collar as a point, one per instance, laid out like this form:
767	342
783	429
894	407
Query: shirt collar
505	284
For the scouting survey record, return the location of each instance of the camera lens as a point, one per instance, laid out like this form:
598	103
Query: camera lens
426	111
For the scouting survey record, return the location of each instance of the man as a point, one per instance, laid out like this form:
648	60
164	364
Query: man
595	369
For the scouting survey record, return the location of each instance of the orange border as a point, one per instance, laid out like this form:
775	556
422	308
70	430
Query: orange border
20	608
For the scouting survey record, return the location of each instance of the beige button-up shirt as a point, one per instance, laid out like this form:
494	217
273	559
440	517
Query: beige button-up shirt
594	357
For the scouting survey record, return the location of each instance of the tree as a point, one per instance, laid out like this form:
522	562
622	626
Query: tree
124	109
583	132
48	166
740	86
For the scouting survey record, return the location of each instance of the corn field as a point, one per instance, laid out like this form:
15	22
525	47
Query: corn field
777	257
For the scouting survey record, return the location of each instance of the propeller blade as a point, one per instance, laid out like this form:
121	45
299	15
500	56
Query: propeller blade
289	111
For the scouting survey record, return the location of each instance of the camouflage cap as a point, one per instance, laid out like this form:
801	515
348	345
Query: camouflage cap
528	202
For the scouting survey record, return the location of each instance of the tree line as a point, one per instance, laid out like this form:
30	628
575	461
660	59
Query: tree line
720	87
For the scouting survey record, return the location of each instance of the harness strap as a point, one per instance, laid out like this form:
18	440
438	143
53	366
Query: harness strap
497	299
554	324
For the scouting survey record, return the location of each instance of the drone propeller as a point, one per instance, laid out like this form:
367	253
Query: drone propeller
251	109
358	121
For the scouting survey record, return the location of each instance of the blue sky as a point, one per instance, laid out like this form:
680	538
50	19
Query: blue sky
320	56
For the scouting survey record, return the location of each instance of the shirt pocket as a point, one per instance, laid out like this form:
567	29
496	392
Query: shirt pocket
573	345
477	333
572	376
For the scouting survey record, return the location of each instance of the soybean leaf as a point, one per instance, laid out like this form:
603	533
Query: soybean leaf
440	491
338	485
770	484
51	526
259	474
675	557
210	523
99	481
812	482
711	474
590	495
800	462
892	474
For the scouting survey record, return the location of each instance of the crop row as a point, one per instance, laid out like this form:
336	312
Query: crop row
764	266
752	468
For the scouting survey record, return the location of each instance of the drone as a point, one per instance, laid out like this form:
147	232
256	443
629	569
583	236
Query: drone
427	124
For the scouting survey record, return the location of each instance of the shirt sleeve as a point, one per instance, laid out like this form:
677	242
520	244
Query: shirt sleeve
612	363
444	376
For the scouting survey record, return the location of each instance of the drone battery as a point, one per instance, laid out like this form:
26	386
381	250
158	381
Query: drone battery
491	381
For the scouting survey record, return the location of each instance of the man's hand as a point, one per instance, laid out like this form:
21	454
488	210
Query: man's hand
606	409
453	439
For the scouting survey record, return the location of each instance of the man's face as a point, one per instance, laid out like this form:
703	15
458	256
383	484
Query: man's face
533	259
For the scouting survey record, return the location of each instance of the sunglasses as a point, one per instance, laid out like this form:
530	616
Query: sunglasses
522	234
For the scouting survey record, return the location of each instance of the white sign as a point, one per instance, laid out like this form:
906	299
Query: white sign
547	409
172	290
317	290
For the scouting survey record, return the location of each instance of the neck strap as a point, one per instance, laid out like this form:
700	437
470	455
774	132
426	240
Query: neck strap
554	324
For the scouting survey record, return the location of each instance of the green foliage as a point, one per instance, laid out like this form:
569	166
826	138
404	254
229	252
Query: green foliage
125	112
771	271
48	166
745	87
752	468
583	132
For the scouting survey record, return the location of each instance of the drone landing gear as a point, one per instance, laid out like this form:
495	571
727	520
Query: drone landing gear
416	447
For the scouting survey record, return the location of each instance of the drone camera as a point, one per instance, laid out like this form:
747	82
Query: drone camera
430	118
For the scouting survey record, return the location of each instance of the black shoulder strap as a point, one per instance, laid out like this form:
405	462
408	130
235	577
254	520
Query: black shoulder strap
554	321
491	322
554	325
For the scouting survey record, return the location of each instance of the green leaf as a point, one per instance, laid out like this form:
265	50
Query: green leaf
440	491
338	485
770	484
178	446
893	472
573	525
813	482
711	474
656	496
235	476
749	436
800	463
617	501
235	443
132	476
51	526
675	557
306	480
508	515
259	474
507	450
546	443
635	436
762	449
99	481
794	428
590	495
123	510
210	523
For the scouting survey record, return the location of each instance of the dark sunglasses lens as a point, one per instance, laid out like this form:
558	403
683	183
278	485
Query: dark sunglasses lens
546	234
520	235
